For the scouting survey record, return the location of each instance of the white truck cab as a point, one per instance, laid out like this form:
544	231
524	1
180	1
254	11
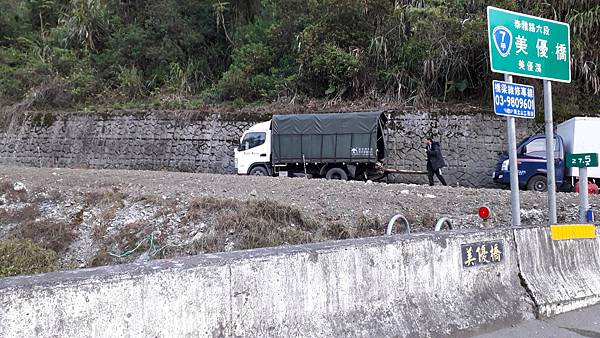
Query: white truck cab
253	156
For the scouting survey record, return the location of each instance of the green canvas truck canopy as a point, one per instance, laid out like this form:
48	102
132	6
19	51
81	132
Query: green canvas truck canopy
339	137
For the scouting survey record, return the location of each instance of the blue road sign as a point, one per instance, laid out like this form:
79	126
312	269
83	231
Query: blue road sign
503	40
512	99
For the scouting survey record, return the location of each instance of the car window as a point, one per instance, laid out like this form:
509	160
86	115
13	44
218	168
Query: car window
252	140
537	148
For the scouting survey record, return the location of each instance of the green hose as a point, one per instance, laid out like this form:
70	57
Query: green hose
152	250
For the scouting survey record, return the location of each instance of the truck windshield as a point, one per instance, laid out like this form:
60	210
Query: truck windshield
252	140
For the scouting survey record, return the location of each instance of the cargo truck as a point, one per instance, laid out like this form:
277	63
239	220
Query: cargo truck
335	146
575	136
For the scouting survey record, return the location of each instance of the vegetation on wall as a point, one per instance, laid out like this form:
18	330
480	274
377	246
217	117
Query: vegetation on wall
183	53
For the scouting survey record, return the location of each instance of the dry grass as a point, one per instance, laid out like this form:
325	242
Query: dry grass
78	216
102	258
99	231
25	214
12	195
109	213
49	234
23	257
103	198
53	195
363	227
129	235
249	224
264	223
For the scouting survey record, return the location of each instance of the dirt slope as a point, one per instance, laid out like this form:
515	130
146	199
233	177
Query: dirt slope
87	215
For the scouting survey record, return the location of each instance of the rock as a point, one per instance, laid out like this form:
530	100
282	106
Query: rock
404	192
253	193
143	257
19	186
197	237
429	196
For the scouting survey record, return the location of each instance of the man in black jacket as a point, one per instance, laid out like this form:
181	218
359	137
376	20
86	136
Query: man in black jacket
435	160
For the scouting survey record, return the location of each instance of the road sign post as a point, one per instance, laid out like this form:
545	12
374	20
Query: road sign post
584	203
529	46
582	161
515	203
550	170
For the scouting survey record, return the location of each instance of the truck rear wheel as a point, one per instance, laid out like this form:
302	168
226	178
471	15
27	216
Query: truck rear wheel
336	174
259	171
537	183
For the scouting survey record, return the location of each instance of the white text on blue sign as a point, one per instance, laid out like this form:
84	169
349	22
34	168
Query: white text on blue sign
512	99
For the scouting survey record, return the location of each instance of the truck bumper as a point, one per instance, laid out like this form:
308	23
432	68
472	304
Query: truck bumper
501	177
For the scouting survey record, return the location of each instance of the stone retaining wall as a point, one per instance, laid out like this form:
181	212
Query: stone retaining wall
203	142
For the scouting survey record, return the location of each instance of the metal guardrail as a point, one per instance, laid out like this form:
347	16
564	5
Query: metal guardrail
393	221
441	222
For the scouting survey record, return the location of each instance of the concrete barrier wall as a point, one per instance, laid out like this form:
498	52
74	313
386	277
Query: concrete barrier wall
560	275
383	287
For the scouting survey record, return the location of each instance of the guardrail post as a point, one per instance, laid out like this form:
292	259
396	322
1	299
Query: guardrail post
393	220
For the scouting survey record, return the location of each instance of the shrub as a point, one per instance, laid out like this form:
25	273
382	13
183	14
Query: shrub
23	257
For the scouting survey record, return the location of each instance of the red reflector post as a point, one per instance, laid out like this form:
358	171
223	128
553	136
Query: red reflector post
485	213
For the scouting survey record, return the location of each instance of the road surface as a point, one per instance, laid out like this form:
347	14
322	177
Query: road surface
575	324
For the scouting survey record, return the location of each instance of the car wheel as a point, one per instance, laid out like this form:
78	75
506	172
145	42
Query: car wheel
538	183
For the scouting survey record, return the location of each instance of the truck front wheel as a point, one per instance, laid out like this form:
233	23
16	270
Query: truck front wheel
336	174
537	183
259	171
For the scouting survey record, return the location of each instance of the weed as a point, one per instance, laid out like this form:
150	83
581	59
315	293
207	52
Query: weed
428	221
53	235
78	216
249	224
99	231
109	213
213	204
102	198
206	243
129	235
8	190
367	226
101	258
23	257
50	196
336	230
27	213
274	212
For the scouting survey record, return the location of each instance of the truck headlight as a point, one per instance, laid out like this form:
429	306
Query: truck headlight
505	165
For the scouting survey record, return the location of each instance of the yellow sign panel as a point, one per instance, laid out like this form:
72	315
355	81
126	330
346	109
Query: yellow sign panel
572	231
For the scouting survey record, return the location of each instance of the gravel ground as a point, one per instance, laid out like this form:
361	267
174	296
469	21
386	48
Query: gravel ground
102	203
